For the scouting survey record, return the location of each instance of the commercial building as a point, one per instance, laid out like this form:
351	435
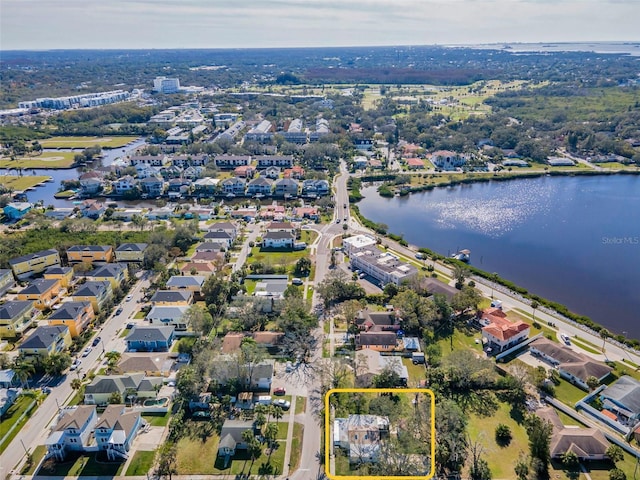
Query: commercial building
384	267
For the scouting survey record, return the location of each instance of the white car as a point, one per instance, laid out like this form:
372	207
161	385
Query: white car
565	339
86	351
74	365
282	403
129	297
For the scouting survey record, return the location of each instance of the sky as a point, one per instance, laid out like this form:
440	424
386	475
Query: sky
87	24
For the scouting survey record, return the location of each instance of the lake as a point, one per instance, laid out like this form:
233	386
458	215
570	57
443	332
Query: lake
574	240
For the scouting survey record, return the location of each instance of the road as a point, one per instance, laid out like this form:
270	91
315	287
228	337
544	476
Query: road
36	431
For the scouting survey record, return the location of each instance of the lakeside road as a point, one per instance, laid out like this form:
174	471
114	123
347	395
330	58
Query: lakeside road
510	300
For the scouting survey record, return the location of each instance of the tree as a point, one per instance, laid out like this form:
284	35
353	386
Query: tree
615	453
467	298
416	312
270	434
387	378
56	363
24	370
199	318
604	333
460	273
570	460
188	382
115	398
336	288
534	306
503	434
112	358
166	461
617	474
76	384
592	382
539	432
303	267
521	468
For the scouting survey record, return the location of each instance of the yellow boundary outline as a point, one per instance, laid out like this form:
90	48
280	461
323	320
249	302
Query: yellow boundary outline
327	432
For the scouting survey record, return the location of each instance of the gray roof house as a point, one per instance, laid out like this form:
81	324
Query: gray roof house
623	398
164	297
150	339
286	187
136	384
231	437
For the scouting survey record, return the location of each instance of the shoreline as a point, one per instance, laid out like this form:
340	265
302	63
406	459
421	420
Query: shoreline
554	307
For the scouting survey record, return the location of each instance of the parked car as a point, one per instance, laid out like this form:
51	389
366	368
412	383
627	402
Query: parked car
86	351
75	365
96	341
565	339
282	403
279	391
297	281
119	311
201	414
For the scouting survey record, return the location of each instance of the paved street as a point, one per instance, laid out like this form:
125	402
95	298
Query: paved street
34	432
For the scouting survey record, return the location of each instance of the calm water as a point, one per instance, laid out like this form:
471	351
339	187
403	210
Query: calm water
575	240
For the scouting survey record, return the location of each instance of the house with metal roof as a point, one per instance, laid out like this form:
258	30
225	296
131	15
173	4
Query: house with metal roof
623	399
150	339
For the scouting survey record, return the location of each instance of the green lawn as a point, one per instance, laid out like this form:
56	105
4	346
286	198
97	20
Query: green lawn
263	465
308	236
157	420
37	455
83	142
296	447
197	457
585	347
82	466
283	429
500	458
568	393
416	372
139	315
141	463
275	258
46	160
301	405
10	418
18	184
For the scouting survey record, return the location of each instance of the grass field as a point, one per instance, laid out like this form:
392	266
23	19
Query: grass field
276	259
46	160
85	465
301	404
37	455
568	393
416	372
83	142
157	420
18	184
197	457
141	463
296	446
10	418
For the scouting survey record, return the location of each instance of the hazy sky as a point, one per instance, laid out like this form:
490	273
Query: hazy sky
46	24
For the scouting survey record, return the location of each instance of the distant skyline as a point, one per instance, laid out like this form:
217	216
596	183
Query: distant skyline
143	24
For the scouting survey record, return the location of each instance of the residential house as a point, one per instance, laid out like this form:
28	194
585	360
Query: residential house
7	281
172	297
360	436
271	286
191	283
573	366
59	213
97	293
189	175
91	183
260	377
231	437
375	163
623	399
74	315
131	252
260	186
172	315
560	162
158	365
44	293
316	188
72	432
28	265
8	397
211	246
232	161
199	213
185	161
275	161
360	162
15	318
8	378
322	125
17	210
162	213
115	273
286	187
93	209
261	133
152	186
281	227
150	160
589	444
273	212
124	185
363	144
368	321
145	171
296	132
269	340
227	227
310	213
197	268
385	341
271	172
415	163
116	430
46	340
220	237
447	160
244	171
205	187
499	333
90	253
370	363
296	172
284	240
383	266
135	385
150	339
433	286
127	214
233	186
64	274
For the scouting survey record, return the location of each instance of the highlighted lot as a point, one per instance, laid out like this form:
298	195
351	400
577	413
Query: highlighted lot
84	142
379	433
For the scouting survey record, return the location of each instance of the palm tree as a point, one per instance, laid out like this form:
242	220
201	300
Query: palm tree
23	370
76	384
494	279
276	412
534	307
112	358
604	333
271	433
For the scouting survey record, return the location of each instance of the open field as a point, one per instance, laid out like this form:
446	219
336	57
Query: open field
46	160
18	184
84	465
296	446
84	142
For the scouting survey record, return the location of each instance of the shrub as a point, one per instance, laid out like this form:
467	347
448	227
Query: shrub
503	434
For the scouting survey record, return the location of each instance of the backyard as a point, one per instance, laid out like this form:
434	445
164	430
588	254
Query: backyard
80	466
141	463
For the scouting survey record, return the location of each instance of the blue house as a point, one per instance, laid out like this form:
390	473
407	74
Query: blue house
17	210
150	339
